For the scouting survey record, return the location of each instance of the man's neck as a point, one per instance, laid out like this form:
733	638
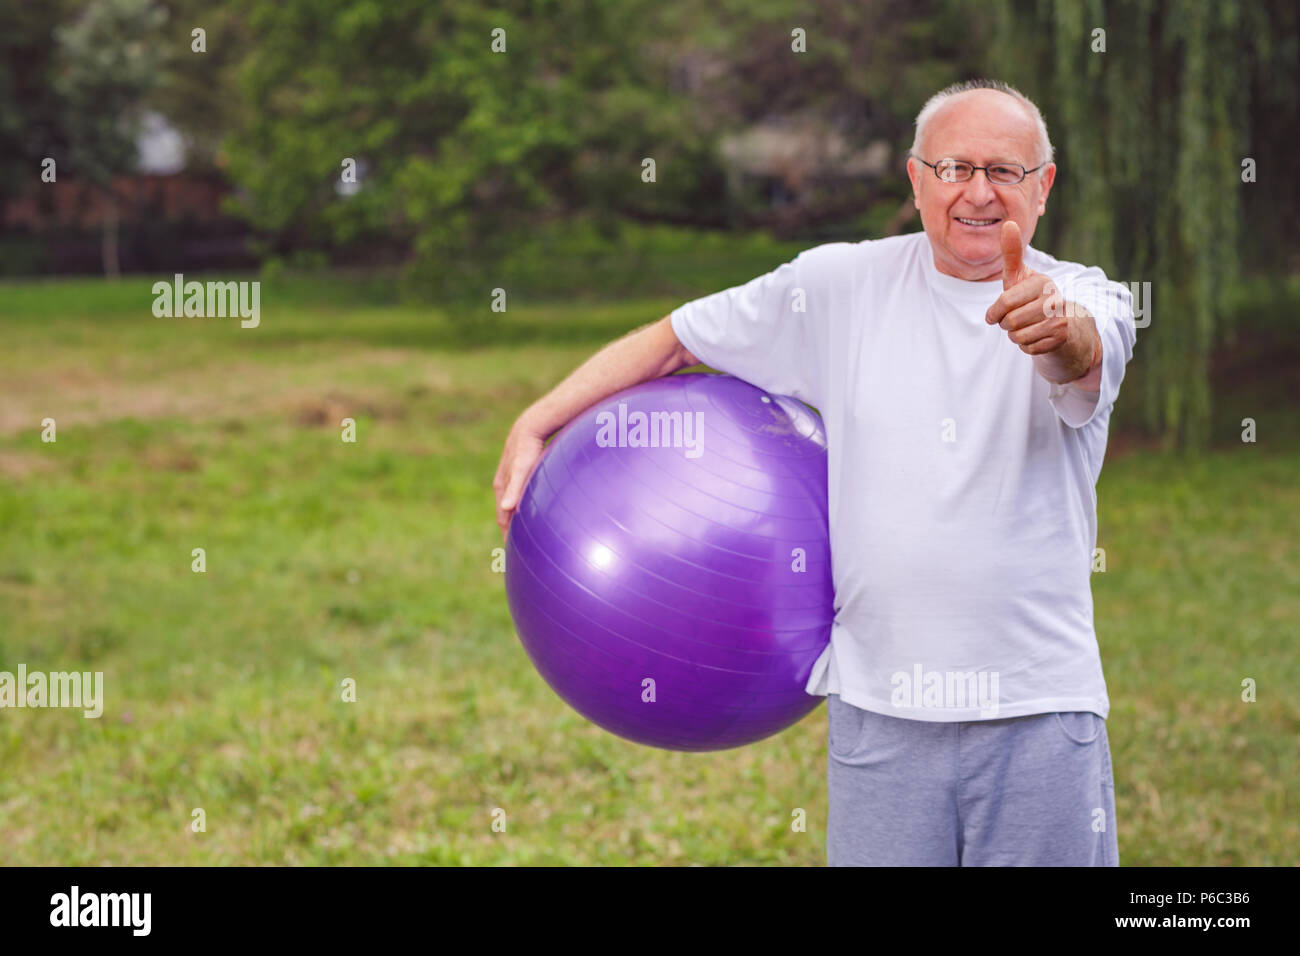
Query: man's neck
984	272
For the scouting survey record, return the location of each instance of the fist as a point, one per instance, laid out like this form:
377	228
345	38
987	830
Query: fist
1030	308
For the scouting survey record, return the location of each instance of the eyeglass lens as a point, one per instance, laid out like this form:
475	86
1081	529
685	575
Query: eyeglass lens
1003	174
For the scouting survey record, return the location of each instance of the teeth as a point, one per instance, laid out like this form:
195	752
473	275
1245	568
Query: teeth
977	222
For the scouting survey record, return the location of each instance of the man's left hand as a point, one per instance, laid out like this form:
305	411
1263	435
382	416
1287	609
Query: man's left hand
1061	336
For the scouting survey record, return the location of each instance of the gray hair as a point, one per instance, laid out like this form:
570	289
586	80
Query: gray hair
934	103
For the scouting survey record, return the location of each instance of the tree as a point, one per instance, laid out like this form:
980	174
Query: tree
198	91
1152	120
30	124
108	59
468	125
861	70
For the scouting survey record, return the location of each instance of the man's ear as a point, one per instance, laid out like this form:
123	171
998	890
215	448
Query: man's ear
913	173
1047	176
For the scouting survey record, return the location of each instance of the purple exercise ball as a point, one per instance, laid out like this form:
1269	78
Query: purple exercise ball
687	546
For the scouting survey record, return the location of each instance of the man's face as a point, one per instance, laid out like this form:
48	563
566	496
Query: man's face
963	220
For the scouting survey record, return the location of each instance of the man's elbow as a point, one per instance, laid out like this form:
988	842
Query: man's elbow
679	357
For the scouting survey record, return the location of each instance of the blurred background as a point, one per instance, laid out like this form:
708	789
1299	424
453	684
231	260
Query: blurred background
380	168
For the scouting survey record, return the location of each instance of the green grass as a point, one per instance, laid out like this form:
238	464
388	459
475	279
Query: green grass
373	561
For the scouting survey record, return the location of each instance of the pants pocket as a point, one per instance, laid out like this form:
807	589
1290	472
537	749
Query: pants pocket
846	726
1080	727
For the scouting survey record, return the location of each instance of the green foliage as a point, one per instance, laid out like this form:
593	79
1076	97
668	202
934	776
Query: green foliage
197	91
573	260
467	152
30	126
461	150
867	69
108	59
1150	136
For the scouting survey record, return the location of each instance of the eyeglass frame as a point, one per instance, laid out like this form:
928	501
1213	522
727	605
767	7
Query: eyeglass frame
974	169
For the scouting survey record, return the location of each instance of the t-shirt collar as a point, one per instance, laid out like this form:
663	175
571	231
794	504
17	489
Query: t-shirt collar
951	286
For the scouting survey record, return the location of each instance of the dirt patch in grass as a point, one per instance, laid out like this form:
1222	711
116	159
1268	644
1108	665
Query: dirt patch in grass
331	409
462	416
24	464
170	458
229	392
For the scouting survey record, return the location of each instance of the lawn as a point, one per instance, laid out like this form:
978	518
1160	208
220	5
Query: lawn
372	561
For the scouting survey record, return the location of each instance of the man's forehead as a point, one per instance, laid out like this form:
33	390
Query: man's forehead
982	125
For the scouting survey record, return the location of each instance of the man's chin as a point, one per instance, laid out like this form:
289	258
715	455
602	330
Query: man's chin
982	259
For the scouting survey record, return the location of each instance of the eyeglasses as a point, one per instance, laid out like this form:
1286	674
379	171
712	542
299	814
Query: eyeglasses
999	174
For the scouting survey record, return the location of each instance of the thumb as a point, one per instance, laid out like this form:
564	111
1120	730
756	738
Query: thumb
518	482
510	499
1013	254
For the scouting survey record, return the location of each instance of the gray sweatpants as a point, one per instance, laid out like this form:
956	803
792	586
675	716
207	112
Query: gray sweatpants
1018	791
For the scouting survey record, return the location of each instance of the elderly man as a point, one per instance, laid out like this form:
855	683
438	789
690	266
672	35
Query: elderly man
965	380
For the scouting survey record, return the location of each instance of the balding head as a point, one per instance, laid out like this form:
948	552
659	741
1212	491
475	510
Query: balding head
992	92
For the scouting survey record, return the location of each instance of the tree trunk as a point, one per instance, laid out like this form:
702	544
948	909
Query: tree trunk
112	264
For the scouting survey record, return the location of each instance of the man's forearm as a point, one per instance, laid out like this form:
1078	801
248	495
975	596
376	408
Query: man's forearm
647	353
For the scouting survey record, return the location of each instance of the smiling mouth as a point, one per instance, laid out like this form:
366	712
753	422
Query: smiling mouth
977	222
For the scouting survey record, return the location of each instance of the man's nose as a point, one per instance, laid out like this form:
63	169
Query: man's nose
979	191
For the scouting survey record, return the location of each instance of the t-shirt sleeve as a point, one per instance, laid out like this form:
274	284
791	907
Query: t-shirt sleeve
768	331
1111	305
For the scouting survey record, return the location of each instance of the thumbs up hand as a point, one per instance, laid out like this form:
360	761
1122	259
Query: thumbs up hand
1013	255
1061	336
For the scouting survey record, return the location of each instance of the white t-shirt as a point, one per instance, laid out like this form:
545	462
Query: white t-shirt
963	506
